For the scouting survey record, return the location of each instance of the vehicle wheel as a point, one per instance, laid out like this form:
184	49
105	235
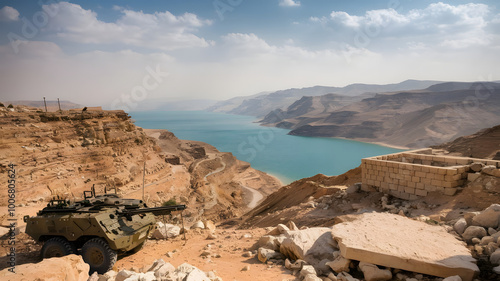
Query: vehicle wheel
97	253
57	247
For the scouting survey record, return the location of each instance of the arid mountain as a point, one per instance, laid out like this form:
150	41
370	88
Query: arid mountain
64	153
261	104
410	119
483	144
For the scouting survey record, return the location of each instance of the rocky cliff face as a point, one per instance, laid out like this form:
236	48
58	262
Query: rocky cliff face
64	153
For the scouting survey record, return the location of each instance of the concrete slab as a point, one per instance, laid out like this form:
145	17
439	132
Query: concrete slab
398	242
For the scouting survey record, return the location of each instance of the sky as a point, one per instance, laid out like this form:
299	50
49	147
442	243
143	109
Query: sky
121	53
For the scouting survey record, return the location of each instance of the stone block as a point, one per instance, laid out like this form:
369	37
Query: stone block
450	191
421	192
442	171
473	176
420	186
382	239
410	190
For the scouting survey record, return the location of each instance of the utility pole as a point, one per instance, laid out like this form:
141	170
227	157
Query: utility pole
45	103
58	103
143	177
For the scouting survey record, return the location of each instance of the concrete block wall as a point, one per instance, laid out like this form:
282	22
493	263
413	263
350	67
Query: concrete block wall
409	175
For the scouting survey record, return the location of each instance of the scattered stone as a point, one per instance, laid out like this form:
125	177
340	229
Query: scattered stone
266	254
486	240
210	225
496	269
247	254
382	239
495	257
473	232
94	276
491	170
340	264
490	217
453	278
196	275
312	277
71	267
108	276
307	270
124	274
475	241
344	276
198	224
332	277
164	231
246	268
476	166
473	176
460	226
156	265
372	273
352	189
491	231
211	236
165	270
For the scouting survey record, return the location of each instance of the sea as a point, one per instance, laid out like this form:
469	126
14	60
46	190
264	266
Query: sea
268	149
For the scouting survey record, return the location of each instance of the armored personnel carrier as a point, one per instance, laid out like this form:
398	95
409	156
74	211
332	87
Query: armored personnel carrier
100	227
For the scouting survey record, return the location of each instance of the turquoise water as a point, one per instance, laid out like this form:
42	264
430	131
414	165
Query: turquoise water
267	149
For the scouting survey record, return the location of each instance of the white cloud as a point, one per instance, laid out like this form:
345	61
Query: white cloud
158	31
438	24
9	14
289	3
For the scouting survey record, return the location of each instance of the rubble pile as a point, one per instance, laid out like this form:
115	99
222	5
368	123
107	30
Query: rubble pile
380	246
159	270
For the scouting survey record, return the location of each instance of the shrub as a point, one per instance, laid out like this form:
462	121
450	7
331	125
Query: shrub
170	202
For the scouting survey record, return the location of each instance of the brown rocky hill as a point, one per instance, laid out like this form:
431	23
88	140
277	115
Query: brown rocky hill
412	119
64	153
483	144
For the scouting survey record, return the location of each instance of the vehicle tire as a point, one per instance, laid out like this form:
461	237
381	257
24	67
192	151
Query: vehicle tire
97	253
57	247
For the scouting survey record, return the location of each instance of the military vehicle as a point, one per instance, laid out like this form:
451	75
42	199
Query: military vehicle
100	227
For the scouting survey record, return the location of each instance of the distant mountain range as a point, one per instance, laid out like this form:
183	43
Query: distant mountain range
409	114
261	104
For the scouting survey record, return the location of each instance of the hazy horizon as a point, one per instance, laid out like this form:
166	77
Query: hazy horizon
123	53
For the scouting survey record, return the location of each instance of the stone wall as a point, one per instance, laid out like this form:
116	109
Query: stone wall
411	174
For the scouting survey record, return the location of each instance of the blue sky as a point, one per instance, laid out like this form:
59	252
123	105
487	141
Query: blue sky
111	52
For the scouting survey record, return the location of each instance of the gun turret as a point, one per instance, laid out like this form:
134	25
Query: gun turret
157	211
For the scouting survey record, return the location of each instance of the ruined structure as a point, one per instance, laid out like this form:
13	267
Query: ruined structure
409	175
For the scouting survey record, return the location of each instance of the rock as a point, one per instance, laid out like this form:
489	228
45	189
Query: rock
473	176
453	278
211	236
382	239
246	268
312	277
198	224
164	270
124	274
495	257
271	242
307	270
340	264
196	275
247	254
108	276
486	240
94	277
469	216
265	254
4	230
491	170
372	273
210	225
496	269
475	241
311	245
155	266
491	231
490	217
69	268
352	189
460	226
473	232
332	277
148	276
164	231
344	276
476	166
